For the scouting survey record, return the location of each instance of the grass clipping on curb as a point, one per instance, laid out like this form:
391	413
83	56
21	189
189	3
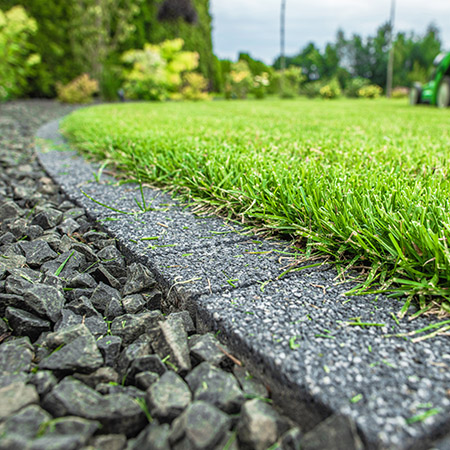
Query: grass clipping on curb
363	181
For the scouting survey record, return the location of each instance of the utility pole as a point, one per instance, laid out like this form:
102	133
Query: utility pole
390	67
282	34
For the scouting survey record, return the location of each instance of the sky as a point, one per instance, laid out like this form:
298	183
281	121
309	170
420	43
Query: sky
253	26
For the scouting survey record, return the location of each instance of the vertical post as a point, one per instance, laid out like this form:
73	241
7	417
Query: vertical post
282	34
390	66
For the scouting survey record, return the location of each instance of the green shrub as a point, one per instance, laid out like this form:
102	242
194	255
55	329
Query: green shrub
370	91
157	70
17	60
238	81
330	90
400	92
311	89
79	90
289	82
195	87
261	84
354	85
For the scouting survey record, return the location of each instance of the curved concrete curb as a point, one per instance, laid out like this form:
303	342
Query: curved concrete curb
295	331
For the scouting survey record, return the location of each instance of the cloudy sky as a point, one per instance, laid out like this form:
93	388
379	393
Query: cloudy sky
254	25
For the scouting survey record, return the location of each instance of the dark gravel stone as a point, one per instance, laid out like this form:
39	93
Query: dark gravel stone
65	336
130	326
291	439
37	252
109	347
139	279
118	413
56	442
250	385
114	309
47	219
83	307
260	425
154	437
95	324
79	355
26	324
133	304
113	261
110	442
44	301
71	261
102	296
206	348
145	379
153	299
140	347
85	250
82	281
170	339
16	396
16	356
72	426
212	385
68	226
147	363
44	381
9	300
337	432
25	423
11	262
201	426
101	274
186	318
168	397
101	375
9	210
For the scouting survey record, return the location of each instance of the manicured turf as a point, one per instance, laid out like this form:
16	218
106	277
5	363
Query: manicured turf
362	180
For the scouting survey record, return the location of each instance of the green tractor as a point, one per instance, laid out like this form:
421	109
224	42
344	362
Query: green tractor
437	90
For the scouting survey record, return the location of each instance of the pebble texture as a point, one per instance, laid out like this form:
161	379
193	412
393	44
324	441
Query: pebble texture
337	381
91	357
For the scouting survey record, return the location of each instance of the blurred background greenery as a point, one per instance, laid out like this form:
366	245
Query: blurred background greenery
159	49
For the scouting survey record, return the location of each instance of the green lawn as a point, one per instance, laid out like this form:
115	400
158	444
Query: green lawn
366	181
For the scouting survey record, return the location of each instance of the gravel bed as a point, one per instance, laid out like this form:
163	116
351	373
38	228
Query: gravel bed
111	340
89	358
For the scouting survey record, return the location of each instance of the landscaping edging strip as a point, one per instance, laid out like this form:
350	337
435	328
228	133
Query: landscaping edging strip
318	357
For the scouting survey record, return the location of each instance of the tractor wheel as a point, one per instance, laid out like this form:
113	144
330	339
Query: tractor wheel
443	94
414	95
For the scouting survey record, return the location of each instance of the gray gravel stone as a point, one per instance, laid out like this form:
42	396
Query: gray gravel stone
212	385
16	356
110	442
147	363
206	348
79	355
130	326
44	381
168	397
291	439
26	324
200	427
117	413
145	379
37	253
170	339
44	301
260	425
140	347
133	304
337	432
251	386
101	375
25	423
139	279
102	295
16	396
109	347
154	437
